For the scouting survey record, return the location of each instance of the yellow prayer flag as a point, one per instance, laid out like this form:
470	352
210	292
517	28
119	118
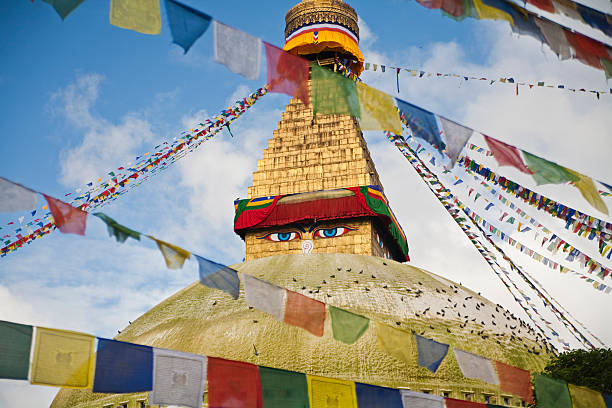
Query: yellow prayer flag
328	392
174	256
492	13
589	191
378	111
138	15
63	358
398	343
583	397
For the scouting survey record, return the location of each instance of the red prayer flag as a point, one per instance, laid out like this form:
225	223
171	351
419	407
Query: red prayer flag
68	219
506	155
587	50
515	381
305	312
452	7
545	5
233	384
455	403
287	73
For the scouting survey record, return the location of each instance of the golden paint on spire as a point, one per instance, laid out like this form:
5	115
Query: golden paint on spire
321	11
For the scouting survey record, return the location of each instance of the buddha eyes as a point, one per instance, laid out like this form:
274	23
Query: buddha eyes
318	233
331	232
282	236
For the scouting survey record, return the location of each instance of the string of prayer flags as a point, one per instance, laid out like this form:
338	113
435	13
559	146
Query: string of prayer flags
238	51
186	24
15	197
506	155
377	110
64	7
233	384
62	358
397	343
178	378
421	122
412	399
332	93
551	393
139	15
547	172
515	381
174	256
123	367
587	188
347	327
430	353
455	403
282	388
287	73
373	396
69	220
218	276
474	366
15	347
456	137
305	312
583	397
328	392
264	296
120	232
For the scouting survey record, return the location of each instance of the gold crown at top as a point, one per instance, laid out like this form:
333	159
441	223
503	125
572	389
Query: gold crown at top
321	11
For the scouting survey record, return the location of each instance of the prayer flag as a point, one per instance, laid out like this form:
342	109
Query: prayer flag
15	346
120	232
332	93
587	188
506	155
455	403
543	5
456	136
607	67
431	353
305	312
178	378
138	15
123	367
587	50
551	393
68	219
412	399
186	24
174	256
281	388
515	381
287	73
373	396
62	358
347	327
378	112
492	10
547	172
329	392
233	384
15	197
474	366
608	400
583	397
238	51
264	296
396	342
421	122
218	276
555	37
64	7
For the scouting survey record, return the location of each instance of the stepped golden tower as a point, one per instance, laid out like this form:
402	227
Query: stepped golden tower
316	222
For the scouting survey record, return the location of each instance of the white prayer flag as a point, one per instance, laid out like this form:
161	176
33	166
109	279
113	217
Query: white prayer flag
15	197
473	366
238	51
456	137
178	378
264	296
411	399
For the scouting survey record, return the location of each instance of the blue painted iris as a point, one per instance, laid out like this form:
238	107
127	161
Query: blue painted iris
282	236
331	232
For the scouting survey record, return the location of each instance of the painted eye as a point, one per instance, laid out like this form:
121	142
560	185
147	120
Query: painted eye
281	236
331	232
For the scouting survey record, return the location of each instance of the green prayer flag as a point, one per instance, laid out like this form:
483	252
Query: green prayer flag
347	327
120	232
64	7
551	393
15	344
281	388
332	93
607	66
547	172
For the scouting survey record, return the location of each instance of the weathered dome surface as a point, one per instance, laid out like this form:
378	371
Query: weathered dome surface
206	321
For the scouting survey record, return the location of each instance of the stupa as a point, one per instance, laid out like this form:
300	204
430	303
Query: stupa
316	221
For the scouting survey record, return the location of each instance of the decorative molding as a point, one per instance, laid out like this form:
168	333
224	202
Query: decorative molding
321	11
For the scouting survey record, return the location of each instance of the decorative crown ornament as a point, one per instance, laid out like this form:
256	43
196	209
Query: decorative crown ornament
321	11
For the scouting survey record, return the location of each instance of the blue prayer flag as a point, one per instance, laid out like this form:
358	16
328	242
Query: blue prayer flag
595	19
123	367
422	123
186	24
372	396
608	186
431	353
218	276
64	7
608	400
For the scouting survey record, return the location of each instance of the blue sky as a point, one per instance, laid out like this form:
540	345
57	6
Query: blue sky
82	97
